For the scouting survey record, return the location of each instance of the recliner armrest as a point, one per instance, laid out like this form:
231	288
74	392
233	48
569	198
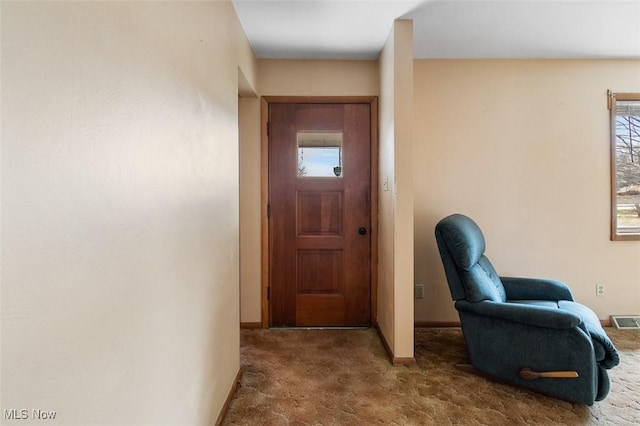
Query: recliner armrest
538	316
517	288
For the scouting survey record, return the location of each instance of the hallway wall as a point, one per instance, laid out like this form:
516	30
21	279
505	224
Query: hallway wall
395	265
120	209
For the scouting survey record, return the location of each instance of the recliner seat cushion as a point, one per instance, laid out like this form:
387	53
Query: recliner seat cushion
545	303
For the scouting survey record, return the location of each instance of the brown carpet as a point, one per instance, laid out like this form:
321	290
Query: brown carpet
343	377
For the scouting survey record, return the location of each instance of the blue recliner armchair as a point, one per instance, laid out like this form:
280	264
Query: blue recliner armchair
523	331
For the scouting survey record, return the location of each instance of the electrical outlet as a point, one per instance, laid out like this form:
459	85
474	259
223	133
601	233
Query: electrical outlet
419	291
599	289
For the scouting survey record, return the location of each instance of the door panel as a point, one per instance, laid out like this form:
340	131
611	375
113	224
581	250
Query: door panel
320	271
319	213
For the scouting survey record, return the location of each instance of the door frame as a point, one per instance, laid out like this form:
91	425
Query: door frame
372	101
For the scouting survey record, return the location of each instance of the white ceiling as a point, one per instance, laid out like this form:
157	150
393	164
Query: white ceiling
357	29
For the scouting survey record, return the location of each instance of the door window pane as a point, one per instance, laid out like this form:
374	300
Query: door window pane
320	154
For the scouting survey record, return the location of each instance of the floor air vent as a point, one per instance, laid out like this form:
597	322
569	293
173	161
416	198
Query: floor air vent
626	321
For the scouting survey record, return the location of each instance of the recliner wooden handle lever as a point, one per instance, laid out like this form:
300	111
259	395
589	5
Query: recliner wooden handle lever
528	374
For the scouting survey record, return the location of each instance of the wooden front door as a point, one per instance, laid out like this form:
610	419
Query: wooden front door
320	214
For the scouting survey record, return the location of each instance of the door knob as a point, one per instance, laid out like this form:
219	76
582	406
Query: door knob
362	230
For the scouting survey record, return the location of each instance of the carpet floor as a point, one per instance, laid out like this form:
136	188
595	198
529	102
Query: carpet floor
343	377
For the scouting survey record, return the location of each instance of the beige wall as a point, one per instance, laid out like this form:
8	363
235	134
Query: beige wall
386	170
522	146
317	78
395	260
283	78
120	209
250	211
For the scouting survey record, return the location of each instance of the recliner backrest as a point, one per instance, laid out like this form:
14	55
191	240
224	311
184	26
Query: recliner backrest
469	273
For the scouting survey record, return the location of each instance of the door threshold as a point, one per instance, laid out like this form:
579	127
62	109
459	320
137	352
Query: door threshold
363	327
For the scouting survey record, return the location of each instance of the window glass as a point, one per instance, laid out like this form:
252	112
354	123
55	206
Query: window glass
320	154
625	152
